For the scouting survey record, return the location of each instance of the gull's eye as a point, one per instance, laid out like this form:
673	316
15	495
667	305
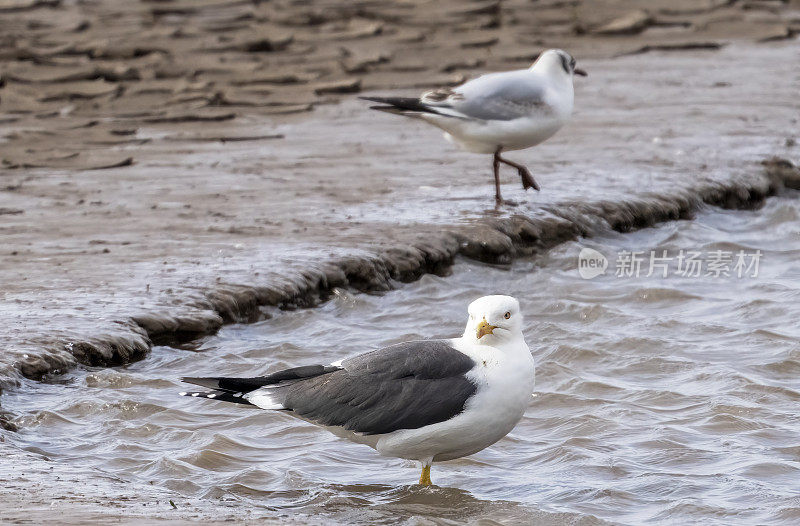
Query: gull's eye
507	315
472	317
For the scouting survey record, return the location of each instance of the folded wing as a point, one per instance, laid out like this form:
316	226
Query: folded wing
493	97
405	386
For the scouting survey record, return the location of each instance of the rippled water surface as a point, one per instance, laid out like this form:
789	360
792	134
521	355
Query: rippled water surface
659	400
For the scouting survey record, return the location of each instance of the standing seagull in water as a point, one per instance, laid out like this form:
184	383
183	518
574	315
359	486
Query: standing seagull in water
499	112
428	400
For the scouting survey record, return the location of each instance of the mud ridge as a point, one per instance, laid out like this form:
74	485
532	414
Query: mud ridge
491	240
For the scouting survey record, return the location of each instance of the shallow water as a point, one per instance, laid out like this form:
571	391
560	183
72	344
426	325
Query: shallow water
658	400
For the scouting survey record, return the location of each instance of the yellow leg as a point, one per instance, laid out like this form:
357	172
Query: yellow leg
425	478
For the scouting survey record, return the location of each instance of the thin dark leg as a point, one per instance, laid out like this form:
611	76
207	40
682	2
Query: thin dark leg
497	196
524	174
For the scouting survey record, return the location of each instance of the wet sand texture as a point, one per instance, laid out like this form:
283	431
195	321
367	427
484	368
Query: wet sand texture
498	240
78	80
162	171
156	184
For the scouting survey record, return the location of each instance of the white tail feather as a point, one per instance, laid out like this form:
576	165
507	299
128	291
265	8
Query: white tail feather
263	399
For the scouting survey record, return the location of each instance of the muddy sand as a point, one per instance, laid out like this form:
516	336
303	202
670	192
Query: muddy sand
167	167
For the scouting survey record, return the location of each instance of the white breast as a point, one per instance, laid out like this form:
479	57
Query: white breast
504	381
525	132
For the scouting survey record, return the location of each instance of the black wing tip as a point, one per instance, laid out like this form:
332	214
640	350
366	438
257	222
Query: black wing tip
195	394
388	100
245	385
222	396
210	382
401	105
202	394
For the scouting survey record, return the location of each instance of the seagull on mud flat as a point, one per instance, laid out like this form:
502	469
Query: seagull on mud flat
498	112
428	400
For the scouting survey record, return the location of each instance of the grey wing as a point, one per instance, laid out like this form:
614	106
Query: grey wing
404	386
498	96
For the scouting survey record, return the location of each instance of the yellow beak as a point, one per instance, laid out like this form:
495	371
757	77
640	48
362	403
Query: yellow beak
484	328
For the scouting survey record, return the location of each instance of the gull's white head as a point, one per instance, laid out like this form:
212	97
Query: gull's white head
494	320
557	62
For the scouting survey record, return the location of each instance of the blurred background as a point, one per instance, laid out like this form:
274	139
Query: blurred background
79	77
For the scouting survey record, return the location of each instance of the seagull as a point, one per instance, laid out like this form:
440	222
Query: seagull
427	401
498	112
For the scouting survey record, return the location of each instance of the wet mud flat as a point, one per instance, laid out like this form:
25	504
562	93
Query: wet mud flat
161	174
162	180
99	266
79	79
